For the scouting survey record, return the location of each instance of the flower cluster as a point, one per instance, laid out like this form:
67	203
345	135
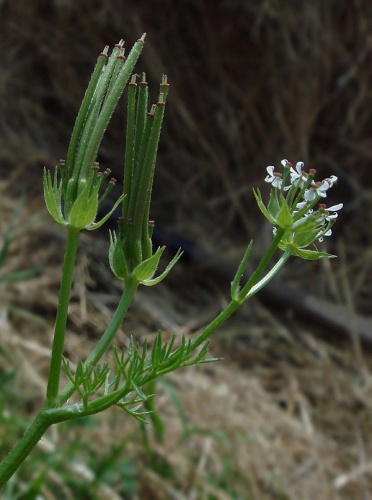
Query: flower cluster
296	208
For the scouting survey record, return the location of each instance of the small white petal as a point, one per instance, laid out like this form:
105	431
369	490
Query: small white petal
299	167
277	182
333	179
309	195
316	190
322	234
301	204
270	177
335	208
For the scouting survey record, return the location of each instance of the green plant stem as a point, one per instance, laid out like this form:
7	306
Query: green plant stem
68	412
22	449
47	416
244	293
107	337
263	263
268	277
73	235
51	413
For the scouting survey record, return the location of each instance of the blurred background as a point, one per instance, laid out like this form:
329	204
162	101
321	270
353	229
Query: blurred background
286	414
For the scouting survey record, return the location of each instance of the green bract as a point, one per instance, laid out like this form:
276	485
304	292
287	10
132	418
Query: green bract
84	210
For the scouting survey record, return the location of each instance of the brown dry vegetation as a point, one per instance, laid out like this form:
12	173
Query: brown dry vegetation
287	413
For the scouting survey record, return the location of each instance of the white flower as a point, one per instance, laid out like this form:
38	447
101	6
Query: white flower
274	178
331	180
298	177
317	189
324	232
335	209
328	216
286	163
